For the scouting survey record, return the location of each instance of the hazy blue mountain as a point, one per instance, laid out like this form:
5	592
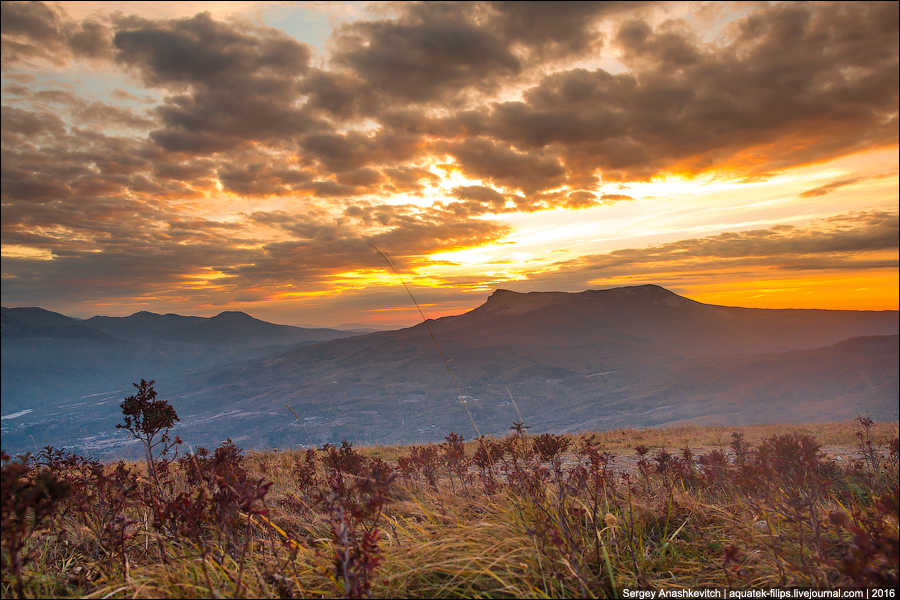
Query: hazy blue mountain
634	356
228	328
40	323
50	360
37	316
145	326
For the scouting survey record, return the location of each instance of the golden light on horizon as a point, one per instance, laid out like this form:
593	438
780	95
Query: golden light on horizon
136	173
858	291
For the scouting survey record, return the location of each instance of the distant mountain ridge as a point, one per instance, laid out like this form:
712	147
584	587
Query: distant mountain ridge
37	317
228	327
50	359
37	322
633	356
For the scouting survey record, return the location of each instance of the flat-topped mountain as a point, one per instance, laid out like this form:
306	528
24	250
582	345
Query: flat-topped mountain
549	333
632	317
601	358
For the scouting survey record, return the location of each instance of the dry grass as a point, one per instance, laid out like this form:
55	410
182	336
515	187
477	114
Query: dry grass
717	436
524	527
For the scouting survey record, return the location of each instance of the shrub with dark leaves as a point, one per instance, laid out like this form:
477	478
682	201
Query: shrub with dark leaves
354	513
454	450
28	499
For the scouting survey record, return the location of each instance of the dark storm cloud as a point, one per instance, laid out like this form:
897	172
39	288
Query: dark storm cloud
89	39
20	126
481	158
232	84
554	29
408	179
246	113
253	178
30	29
364	177
201	51
115	248
335	94
327	189
684	104
476	200
38	30
109	238
795	84
45	161
430	51
123	273
790	83
338	152
479	193
438	52
186	169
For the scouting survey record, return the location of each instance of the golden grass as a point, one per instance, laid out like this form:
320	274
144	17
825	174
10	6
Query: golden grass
712	436
650	531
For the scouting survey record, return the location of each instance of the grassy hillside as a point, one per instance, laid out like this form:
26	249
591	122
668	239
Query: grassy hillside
754	507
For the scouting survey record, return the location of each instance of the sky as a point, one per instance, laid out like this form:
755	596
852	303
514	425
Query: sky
297	161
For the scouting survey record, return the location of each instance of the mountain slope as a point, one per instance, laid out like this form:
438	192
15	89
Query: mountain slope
39	323
50	359
633	356
568	360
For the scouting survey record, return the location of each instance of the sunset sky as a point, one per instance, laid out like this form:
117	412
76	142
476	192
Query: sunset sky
195	157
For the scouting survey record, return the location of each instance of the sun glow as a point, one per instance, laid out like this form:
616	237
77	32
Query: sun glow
465	257
452	176
559	172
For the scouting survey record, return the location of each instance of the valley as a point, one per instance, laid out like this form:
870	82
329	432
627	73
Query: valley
600	359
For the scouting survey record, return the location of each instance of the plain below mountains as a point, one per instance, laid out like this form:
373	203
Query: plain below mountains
634	356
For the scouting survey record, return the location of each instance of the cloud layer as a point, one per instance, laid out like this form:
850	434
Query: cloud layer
238	165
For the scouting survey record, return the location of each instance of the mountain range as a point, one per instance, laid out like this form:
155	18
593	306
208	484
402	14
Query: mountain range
51	362
599	359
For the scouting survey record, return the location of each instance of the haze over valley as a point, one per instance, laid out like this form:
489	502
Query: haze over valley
566	362
227	182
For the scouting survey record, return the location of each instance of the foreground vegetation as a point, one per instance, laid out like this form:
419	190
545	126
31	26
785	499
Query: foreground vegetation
525	516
